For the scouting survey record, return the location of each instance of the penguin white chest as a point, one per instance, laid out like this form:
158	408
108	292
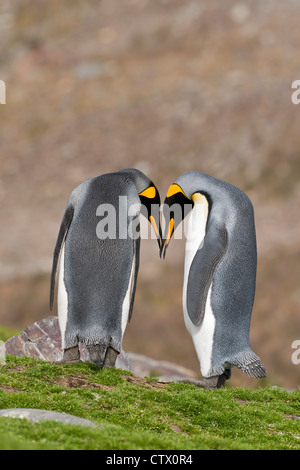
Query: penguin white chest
127	298
202	335
62	299
196	230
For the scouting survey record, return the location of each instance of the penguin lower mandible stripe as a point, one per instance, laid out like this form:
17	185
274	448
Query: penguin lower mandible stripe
98	271
219	272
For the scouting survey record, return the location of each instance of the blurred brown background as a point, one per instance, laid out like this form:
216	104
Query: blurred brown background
166	86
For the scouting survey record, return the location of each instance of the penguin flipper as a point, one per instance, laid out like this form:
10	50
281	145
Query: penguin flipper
207	257
64	227
136	252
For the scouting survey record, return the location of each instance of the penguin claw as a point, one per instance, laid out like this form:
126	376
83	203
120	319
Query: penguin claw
110	357
97	354
102	356
70	356
210	383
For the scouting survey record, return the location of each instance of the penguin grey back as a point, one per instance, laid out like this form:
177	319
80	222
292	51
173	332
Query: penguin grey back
99	273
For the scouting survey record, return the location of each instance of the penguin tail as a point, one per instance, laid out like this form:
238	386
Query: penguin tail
255	369
246	361
250	364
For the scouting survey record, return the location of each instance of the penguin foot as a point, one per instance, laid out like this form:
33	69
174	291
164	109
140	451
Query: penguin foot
210	383
217	381
70	356
110	357
102	356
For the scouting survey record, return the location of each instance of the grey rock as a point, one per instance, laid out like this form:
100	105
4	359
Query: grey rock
145	366
45	415
42	340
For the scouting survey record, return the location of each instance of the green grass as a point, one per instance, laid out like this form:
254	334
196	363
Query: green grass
140	414
6	333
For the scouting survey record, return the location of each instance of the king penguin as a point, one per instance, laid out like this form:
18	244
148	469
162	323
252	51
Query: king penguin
219	272
98	268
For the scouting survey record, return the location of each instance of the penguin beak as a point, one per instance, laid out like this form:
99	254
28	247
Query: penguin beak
157	231
167	238
151	200
176	206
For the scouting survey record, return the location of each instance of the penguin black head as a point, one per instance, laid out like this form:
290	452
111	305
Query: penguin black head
180	200
176	207
150	199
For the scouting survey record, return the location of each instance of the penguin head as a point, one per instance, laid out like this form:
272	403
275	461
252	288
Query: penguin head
180	200
176	207
149	197
150	208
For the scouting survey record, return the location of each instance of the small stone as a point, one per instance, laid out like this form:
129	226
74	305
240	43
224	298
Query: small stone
145	366
175	428
45	415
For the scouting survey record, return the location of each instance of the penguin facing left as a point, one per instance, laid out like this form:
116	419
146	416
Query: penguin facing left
98	274
219	272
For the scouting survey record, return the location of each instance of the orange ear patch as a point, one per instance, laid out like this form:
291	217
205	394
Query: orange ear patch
174	189
150	192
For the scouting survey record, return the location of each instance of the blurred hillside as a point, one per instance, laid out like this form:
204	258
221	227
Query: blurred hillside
166	86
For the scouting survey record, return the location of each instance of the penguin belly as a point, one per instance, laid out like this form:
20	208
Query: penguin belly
202	335
128	296
62	298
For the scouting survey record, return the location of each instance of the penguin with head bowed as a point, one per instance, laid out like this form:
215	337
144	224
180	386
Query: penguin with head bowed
99	262
219	272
